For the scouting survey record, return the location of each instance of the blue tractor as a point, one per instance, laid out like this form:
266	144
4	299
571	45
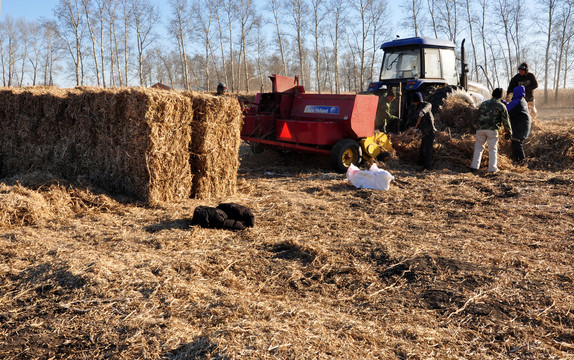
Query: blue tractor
428	66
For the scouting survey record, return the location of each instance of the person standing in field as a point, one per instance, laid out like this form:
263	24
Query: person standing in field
528	80
420	117
492	114
385	121
520	122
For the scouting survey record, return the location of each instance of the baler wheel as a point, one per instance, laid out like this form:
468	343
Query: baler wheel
344	153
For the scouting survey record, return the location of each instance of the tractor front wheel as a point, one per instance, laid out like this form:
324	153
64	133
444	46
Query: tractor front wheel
344	153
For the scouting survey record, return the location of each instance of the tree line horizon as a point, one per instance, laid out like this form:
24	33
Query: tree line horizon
333	45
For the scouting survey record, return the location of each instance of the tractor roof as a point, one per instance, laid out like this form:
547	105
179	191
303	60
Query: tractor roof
418	42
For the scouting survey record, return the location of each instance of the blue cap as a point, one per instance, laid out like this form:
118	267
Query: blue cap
417	97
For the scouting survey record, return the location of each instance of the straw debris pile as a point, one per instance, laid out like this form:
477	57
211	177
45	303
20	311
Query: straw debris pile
43	200
128	141
549	147
457	117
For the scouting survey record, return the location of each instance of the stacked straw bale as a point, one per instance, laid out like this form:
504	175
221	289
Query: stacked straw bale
128	141
215	144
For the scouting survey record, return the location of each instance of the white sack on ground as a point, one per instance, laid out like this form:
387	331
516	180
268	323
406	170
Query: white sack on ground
374	178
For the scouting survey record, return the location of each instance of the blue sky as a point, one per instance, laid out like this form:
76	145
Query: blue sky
34	9
30	10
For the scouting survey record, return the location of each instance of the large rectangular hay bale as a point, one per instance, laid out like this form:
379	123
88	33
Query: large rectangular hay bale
130	141
215	145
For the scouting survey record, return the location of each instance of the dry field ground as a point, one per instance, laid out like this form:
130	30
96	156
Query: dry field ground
444	265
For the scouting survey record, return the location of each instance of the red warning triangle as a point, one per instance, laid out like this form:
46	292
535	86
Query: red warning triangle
285	133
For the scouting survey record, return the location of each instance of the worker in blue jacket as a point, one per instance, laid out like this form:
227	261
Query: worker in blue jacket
520	121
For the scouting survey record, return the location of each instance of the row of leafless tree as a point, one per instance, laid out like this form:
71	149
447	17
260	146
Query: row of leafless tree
332	44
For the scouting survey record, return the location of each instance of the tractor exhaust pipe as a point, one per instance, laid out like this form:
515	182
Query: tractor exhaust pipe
463	67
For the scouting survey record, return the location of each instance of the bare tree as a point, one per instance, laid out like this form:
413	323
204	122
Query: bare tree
260	45
567	64
229	9
503	9
205	12
86	6
9	52
298	9
179	26
470	17
338	17
111	19
22	28
414	20
549	9
145	17
351	66
431	5
483	35
277	10
166	65
448	18
127	25
3	52
49	51
317	7
364	10
565	33
247	19
101	11
517	33
221	36
496	80
379	18
71	31
34	38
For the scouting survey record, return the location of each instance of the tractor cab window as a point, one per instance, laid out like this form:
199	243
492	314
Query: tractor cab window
449	66
432	64
404	64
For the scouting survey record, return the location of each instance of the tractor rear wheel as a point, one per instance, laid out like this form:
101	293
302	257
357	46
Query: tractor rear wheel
344	153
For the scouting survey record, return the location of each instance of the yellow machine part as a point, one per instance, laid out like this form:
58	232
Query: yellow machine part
374	145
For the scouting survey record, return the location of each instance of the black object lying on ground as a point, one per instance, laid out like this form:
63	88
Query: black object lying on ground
225	216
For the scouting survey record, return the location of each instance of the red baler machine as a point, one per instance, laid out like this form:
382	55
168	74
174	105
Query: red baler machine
329	124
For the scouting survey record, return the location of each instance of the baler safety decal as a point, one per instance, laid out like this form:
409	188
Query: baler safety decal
319	109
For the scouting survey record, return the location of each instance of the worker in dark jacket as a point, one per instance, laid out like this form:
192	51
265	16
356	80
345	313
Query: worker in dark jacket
528	80
421	118
520	122
221	89
492	114
385	121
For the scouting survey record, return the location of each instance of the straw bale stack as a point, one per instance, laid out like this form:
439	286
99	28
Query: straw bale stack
215	144
129	141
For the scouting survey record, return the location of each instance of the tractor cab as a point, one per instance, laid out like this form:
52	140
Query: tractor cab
425	65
